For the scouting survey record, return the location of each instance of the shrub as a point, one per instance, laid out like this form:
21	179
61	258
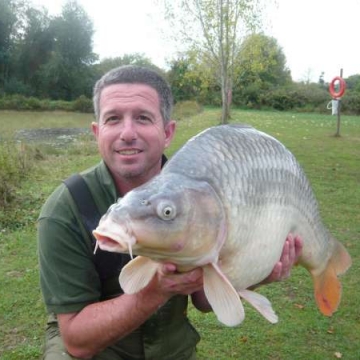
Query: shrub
12	102
83	104
350	103
186	109
14	165
33	104
298	96
20	102
280	99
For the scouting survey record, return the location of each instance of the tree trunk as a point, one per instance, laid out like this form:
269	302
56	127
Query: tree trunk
225	97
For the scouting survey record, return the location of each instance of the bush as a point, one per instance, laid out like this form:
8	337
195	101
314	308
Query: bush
350	103
186	109
20	102
15	163
281	99
300	97
83	104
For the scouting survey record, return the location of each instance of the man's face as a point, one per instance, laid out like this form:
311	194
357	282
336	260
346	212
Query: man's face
130	133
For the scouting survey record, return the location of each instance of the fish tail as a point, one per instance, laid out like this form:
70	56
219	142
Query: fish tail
327	286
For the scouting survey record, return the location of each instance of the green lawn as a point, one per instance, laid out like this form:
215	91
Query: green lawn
333	168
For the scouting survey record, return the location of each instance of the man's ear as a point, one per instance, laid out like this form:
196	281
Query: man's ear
170	128
95	128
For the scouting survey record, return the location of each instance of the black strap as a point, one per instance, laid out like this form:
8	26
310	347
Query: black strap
108	264
83	198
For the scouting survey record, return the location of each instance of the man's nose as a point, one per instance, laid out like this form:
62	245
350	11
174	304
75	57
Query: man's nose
128	130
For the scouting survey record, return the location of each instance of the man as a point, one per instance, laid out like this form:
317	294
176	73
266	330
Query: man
90	317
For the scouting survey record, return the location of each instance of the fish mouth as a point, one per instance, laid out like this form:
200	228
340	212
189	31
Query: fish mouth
106	240
121	242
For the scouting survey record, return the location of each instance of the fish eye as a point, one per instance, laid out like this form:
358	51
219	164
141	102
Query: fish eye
166	211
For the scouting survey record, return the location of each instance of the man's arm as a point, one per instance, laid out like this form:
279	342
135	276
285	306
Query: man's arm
101	324
290	255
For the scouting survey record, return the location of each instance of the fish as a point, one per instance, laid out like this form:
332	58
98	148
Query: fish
225	202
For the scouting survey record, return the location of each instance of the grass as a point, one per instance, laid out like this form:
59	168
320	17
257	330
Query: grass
332	165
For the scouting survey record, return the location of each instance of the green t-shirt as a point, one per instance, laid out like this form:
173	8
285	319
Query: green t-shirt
70	281
68	277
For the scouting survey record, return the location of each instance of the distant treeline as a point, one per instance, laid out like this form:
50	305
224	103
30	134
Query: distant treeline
47	63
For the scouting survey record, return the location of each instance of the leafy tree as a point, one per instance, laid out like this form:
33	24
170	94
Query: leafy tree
67	74
185	81
261	59
127	59
11	24
353	83
35	47
213	30
260	65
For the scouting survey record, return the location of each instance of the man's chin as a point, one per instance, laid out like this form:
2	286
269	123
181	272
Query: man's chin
130	172
137	173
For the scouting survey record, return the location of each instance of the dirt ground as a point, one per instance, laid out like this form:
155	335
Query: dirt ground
51	136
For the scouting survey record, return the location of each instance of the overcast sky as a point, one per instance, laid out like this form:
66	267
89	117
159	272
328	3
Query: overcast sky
316	35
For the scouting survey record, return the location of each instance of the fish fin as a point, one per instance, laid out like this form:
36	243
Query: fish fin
327	286
260	303
222	296
341	259
136	274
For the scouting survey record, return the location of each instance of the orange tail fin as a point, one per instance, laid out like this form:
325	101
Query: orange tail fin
327	286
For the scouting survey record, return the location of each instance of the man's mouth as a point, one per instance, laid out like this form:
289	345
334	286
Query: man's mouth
128	152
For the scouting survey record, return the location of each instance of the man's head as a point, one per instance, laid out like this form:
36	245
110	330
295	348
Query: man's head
130	74
133	127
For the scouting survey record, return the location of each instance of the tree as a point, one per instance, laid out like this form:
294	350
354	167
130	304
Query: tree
260	66
213	30
11	12
128	59
353	83
321	79
35	47
67	73
185	81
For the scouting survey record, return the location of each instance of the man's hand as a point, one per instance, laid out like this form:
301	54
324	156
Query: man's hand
290	255
172	282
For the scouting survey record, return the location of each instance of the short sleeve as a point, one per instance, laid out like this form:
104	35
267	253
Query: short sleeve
68	277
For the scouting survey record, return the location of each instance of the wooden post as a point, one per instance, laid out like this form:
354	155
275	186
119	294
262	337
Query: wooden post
338	112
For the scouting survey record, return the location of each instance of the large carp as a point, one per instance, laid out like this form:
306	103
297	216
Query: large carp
226	202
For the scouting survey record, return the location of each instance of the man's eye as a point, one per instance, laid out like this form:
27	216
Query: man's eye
144	118
112	119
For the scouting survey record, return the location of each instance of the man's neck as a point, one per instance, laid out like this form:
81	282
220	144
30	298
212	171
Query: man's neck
124	185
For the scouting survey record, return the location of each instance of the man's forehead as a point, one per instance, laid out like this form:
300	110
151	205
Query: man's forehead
130	90
123	97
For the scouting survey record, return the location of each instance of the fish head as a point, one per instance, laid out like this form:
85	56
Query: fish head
171	218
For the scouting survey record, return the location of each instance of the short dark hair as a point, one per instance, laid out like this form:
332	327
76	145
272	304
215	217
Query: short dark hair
131	74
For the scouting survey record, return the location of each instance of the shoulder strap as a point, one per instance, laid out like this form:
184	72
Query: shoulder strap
81	194
108	264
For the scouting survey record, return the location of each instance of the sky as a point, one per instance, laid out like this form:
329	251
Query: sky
316	35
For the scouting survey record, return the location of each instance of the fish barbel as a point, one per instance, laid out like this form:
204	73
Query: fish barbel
226	202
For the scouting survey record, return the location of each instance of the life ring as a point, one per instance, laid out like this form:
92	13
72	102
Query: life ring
342	87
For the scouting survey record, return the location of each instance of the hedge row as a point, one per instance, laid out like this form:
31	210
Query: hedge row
311	99
20	102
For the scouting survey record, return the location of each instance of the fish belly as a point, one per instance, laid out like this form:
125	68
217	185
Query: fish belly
255	244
